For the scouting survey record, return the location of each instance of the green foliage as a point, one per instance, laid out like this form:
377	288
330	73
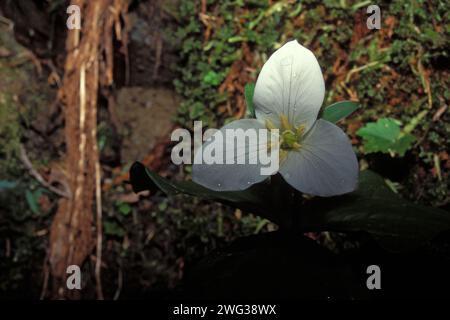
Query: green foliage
112	228
395	223
18	227
373	207
339	110
9	132
124	208
23	95
380	68
212	78
205	64
32	199
385	136
249	91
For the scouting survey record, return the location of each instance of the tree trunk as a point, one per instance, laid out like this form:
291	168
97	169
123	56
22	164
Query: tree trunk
72	232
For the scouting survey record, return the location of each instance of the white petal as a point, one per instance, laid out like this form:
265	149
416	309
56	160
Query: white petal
290	83
231	177
325	165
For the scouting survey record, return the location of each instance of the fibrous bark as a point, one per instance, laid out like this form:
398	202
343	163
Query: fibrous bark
71	236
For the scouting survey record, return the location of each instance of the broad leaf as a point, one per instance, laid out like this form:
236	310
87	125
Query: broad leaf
255	199
32	199
385	136
373	208
396	223
339	110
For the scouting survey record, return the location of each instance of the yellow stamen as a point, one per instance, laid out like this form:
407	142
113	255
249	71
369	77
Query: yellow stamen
290	136
285	125
300	130
270	125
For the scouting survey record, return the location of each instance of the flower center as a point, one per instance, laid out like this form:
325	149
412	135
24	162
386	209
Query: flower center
290	136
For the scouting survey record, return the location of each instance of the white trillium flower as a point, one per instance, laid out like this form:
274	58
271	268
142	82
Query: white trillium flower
316	157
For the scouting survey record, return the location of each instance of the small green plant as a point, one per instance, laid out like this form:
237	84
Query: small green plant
124	208
213	78
386	136
112	228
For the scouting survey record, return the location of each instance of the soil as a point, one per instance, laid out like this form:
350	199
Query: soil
152	51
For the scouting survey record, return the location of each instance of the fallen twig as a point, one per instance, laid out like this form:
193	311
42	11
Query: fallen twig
33	172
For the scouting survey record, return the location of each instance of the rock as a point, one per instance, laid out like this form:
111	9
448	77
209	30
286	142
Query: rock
145	116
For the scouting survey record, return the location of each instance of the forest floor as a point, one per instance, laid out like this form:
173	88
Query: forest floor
191	62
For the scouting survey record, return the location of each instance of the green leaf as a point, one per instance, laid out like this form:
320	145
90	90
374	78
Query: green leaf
408	128
162	206
385	136
212	78
373	208
32	201
196	110
249	90
258	198
113	228
396	223
124	208
339	110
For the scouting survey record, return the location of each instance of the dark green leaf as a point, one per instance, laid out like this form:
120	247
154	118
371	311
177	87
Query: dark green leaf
32	200
258	198
124	209
374	208
113	228
339	110
249	91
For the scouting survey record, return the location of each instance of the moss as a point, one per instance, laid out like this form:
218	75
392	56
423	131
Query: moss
390	68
